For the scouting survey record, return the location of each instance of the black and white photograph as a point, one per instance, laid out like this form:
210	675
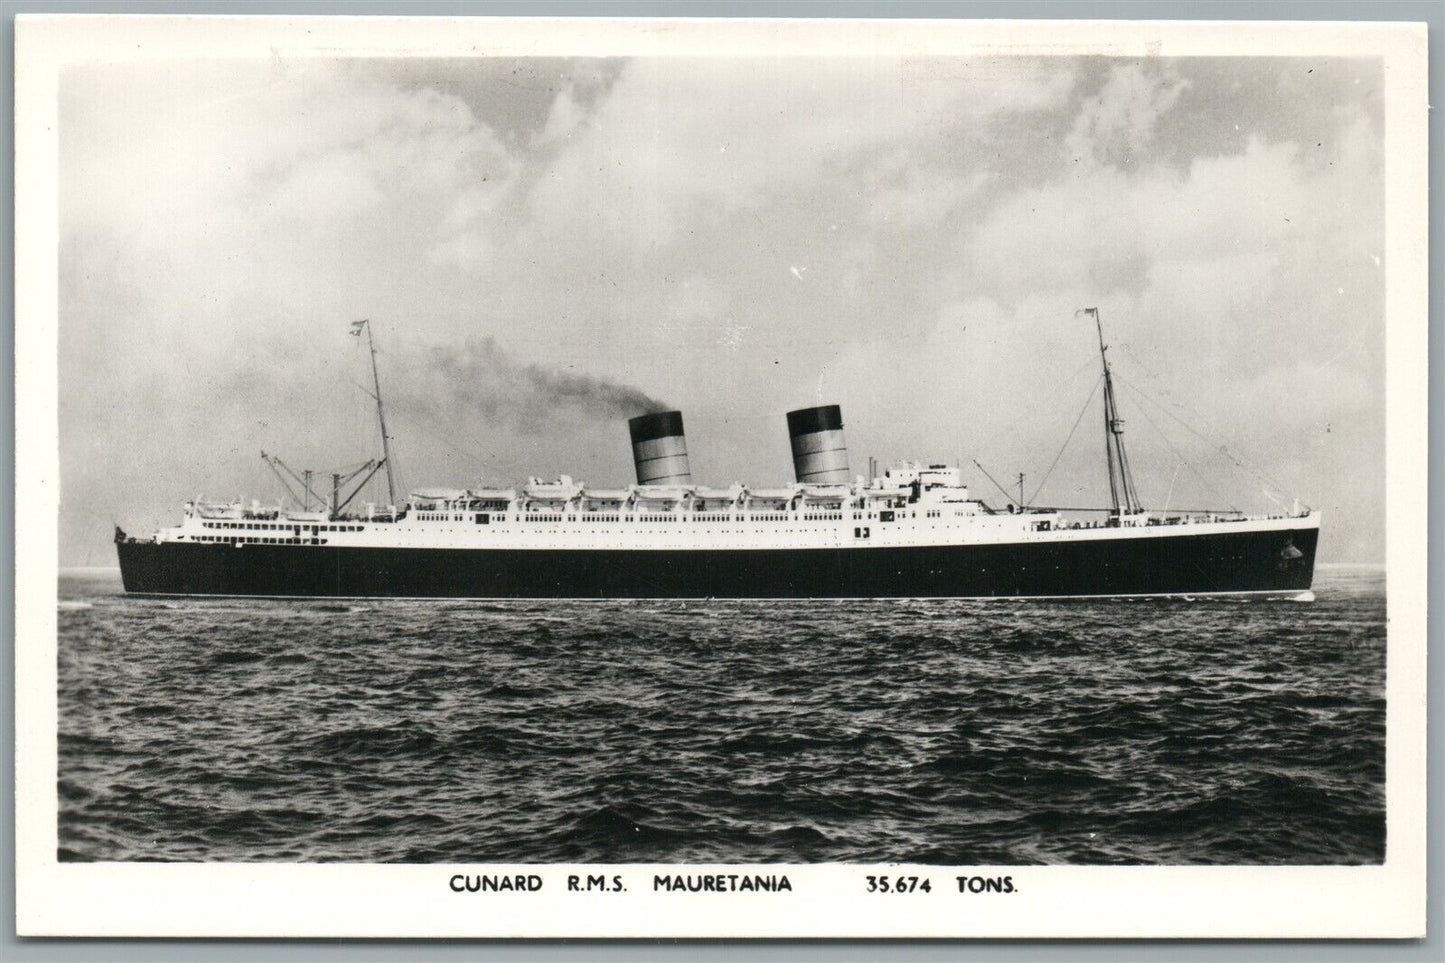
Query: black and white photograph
922	461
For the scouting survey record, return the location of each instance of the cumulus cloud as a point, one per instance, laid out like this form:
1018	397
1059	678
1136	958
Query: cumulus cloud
676	141
1115	125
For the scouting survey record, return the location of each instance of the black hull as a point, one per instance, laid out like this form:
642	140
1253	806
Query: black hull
1278	561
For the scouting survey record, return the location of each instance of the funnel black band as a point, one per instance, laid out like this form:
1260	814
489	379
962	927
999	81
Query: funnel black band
661	424
805	421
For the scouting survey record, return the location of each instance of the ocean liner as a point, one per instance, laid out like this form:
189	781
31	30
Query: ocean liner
915	531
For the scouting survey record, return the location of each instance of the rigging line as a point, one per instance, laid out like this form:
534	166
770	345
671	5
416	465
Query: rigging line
1170	497
1164	386
1177	454
1006	495
1032	410
1214	445
354	468
447	436
1082	411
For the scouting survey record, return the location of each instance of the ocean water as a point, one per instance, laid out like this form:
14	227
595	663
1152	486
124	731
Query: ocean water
961	733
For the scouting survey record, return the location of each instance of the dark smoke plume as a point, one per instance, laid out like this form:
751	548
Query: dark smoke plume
479	379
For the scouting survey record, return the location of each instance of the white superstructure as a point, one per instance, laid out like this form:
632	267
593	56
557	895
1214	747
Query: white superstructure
911	504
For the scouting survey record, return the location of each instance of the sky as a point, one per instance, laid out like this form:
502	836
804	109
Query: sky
546	247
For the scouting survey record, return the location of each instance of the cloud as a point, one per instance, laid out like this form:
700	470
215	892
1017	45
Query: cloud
219	183
675	141
1115	126
1199	256
563	119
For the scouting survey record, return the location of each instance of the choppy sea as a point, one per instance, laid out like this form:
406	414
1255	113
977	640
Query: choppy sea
963	733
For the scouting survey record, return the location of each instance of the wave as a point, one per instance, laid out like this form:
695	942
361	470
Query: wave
237	657
609	824
384	741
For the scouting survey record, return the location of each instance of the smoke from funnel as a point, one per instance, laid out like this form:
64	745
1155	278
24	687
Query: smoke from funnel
478	379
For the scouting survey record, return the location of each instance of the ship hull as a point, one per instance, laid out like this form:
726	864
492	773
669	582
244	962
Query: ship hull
1270	561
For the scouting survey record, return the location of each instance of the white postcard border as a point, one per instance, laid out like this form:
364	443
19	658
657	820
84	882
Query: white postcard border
130	899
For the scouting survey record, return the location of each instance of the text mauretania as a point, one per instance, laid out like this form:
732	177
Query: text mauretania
721	883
